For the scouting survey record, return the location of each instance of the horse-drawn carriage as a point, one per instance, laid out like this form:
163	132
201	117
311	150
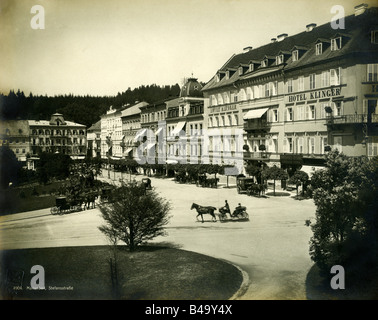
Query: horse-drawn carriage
62	205
240	212
243	184
65	204
204	181
249	186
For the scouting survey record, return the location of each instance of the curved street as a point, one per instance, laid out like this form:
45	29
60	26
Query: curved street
272	247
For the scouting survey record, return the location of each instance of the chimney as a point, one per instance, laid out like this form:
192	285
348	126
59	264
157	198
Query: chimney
273	40
282	36
310	27
246	49
360	9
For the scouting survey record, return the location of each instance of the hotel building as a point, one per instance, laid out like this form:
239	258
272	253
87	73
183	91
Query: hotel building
299	96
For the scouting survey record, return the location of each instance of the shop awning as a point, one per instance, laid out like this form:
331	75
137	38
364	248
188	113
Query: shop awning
178	128
255	114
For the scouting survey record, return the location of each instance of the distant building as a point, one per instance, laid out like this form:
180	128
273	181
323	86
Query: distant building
94	140
27	138
16	135
131	125
58	135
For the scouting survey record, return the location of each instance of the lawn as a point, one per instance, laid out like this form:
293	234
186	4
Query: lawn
29	197
151	273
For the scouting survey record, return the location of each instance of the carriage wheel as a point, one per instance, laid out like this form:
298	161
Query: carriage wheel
54	210
245	215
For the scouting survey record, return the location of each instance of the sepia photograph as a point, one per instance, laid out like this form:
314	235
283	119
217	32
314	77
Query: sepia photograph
194	155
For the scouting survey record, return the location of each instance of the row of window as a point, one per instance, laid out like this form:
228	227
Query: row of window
327	78
291	144
47	141
57	132
153	116
223	120
308	112
295	54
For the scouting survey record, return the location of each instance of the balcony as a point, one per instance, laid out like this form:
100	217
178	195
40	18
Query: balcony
260	155
352	119
256	125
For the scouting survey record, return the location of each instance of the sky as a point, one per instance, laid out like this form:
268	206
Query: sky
93	47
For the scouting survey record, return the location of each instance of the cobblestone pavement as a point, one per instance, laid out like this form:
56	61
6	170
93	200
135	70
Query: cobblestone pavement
272	247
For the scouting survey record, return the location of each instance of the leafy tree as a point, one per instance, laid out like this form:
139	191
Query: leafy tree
254	171
274	173
345	195
299	178
9	167
53	165
134	216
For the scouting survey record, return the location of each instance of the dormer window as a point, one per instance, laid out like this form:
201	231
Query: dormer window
336	44
319	48
264	63
243	68
280	59
295	55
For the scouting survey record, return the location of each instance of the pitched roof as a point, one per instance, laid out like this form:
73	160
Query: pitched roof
356	39
133	110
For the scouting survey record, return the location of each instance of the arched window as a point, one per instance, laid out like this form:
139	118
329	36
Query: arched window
249	93
220	99
242	95
226	97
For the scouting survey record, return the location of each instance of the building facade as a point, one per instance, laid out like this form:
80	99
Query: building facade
111	134
57	135
131	125
15	134
94	140
301	95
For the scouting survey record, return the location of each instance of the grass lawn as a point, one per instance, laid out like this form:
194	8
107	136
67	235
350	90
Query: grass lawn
29	197
151	273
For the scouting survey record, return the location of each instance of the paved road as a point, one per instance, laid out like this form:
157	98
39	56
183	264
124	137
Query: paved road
272	247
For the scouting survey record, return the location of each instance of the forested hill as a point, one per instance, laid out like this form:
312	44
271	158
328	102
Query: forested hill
81	109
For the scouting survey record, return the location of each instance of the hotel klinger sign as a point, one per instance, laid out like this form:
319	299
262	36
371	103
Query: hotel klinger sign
314	95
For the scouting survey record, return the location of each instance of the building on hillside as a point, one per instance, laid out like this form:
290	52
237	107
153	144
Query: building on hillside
299	96
94	140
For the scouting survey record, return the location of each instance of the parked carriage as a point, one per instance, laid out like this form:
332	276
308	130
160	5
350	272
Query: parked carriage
249	186
61	206
243	184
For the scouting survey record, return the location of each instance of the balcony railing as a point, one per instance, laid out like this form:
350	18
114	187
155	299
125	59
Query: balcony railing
256	124
353	118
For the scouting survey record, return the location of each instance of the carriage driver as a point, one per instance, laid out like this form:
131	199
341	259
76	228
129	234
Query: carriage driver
226	207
